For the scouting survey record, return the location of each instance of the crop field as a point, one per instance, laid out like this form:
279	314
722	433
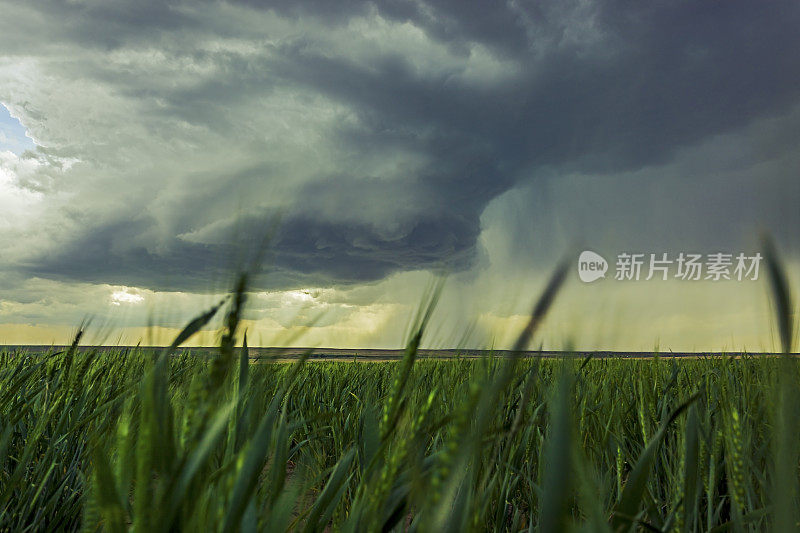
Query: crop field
119	440
105	441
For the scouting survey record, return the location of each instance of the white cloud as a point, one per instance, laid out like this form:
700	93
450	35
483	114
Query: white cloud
126	297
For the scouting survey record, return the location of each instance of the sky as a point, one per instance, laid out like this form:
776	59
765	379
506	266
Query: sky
148	149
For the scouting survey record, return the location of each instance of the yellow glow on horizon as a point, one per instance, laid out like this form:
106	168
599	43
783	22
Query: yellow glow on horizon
607	315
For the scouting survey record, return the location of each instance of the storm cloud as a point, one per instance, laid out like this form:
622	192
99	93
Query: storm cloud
169	134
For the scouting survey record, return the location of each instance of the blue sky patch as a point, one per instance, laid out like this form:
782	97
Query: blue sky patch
13	134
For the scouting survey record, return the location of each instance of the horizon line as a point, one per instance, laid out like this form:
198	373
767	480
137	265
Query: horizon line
334	353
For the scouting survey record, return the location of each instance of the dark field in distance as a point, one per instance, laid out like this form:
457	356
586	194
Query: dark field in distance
376	355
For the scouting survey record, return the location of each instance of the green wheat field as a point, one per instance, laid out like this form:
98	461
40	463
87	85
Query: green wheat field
115	440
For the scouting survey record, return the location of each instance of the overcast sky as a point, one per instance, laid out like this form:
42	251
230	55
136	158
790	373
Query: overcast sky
146	146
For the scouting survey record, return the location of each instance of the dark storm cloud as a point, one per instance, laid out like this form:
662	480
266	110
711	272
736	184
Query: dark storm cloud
599	88
678	77
105	253
302	251
455	22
